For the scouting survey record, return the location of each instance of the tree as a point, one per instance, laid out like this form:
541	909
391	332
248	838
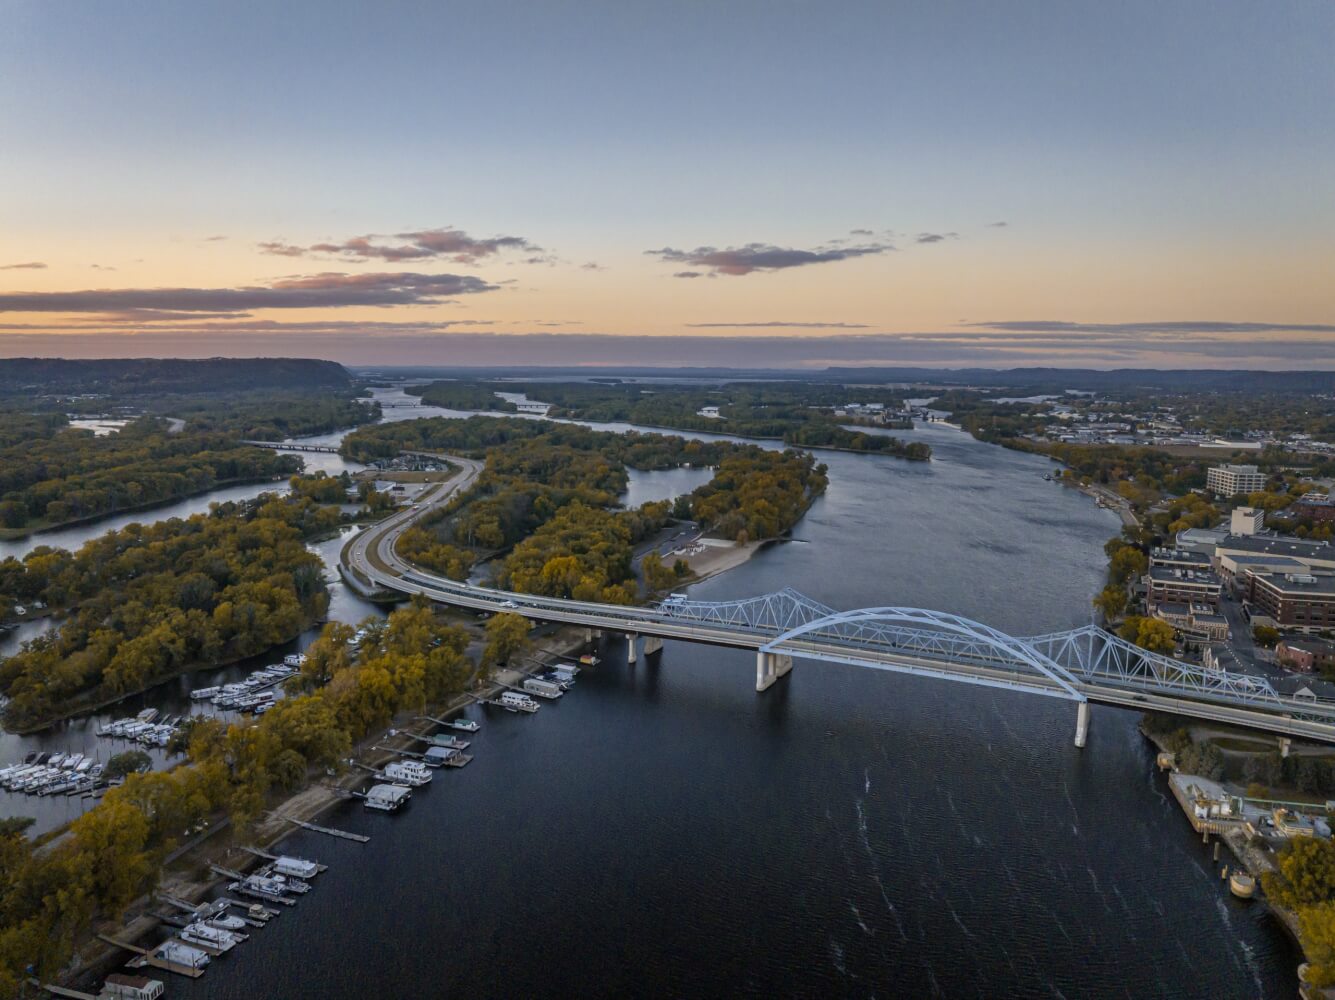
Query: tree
1111	600
1265	635
507	634
129	762
657	575
1148	633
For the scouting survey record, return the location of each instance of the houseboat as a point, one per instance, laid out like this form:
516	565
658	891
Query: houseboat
296	867
543	689
388	798
412	773
517	702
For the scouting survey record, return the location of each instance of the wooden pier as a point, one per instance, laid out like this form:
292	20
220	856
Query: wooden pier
452	742
268	913
61	991
360	838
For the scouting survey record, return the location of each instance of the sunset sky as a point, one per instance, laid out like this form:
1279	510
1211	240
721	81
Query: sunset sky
770	184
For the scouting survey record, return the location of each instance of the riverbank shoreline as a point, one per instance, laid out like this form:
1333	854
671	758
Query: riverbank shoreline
306	805
308	622
1251	860
18	534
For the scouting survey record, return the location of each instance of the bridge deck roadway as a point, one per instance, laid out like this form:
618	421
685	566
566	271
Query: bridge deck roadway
371	556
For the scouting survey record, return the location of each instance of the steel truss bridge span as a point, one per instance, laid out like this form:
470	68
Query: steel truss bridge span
1084	665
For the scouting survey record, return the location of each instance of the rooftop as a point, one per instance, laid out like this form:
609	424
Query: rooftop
1275	545
1169	575
1297	583
1317	647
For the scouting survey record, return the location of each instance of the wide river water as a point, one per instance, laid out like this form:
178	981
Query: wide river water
665	830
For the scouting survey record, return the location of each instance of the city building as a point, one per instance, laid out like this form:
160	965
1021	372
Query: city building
1291	824
1314	507
1234	566
1312	554
1246	521
1301	602
1179	559
1198	622
1200	539
1230	480
1169	585
1305	654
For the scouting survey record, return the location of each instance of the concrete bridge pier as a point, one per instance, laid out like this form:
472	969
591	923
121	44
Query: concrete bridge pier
592	634
770	667
652	644
1081	723
1284	745
632	654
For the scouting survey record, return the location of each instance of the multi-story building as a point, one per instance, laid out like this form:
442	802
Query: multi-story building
1246	521
1306	654
1300	602
1313	555
1230	480
1314	507
1172	585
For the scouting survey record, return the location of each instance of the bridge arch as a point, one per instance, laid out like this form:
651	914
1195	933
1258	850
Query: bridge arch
928	632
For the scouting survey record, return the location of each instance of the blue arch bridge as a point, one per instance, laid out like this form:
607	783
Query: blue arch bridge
1084	665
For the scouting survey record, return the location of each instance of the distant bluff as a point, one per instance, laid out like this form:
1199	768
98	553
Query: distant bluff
122	376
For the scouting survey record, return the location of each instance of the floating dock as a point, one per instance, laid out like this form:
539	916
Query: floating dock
274	857
146	957
360	838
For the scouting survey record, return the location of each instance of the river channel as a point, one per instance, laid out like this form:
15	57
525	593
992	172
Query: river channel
664	830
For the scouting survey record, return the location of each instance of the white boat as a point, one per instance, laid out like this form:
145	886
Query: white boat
262	884
289	884
180	953
203	694
85	765
56	759
295	659
516	702
465	725
543	689
412	773
227	923
388	798
296	867
210	937
147	715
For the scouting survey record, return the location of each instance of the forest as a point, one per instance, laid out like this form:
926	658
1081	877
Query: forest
546	490
796	413
52	473
51	896
148	601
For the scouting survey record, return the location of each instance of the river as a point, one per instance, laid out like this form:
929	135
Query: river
664	830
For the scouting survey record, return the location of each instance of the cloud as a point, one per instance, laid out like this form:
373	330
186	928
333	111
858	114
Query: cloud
935	237
998	225
778	323
764	256
592	265
101	267
688	274
32	265
1176	327
860	232
422	244
330	289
